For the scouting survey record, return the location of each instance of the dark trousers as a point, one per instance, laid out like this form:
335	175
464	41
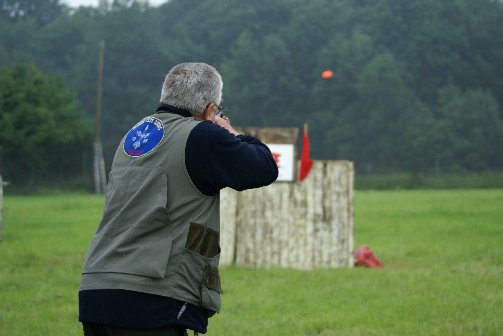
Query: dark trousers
91	329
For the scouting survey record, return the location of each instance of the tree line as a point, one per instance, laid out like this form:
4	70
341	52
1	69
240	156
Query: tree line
417	84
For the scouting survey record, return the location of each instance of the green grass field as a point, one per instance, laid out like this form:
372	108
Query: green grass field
443	271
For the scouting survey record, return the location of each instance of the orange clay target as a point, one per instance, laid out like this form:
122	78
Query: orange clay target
327	74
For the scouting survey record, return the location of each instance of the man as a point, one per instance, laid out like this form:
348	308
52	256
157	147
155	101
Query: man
152	267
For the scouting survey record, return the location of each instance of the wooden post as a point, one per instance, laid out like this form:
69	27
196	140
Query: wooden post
98	160
228	209
302	225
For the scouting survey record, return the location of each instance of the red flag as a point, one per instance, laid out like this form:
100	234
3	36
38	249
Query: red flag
305	162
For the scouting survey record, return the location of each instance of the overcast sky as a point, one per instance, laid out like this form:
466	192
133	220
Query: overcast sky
77	3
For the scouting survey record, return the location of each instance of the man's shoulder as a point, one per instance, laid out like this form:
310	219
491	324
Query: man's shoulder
207	126
208	130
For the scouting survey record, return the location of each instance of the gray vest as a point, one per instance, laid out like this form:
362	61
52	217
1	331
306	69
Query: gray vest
159	234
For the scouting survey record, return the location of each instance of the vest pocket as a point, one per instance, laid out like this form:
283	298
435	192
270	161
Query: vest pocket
197	273
135	234
203	240
211	278
199	279
211	289
142	249
137	256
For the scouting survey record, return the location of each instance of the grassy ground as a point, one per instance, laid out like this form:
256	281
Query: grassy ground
482	180
443	271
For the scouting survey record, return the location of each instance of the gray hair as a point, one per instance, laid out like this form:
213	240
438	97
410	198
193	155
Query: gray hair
192	86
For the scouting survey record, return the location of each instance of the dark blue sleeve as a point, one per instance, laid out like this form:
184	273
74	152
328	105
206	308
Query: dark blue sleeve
216	159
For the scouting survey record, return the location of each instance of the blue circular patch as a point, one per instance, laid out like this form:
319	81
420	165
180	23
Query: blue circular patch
144	137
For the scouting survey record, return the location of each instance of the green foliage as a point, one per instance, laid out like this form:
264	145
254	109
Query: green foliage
42	12
441	250
37	114
36	111
470	127
416	84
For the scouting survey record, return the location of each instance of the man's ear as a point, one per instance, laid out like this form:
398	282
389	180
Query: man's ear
207	113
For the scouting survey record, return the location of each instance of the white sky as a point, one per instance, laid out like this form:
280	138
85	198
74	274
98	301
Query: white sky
77	3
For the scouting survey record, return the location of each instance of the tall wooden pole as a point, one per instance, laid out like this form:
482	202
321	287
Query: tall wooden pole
98	161
99	92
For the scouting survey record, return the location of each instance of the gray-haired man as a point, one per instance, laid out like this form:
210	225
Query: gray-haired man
152	268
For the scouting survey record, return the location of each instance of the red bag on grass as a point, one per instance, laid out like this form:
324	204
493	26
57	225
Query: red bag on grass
365	257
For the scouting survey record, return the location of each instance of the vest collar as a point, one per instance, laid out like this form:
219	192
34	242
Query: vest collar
163	108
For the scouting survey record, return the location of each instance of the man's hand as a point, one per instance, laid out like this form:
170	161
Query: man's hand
225	123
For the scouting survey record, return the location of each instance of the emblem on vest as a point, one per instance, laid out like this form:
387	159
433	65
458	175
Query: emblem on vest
144	137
